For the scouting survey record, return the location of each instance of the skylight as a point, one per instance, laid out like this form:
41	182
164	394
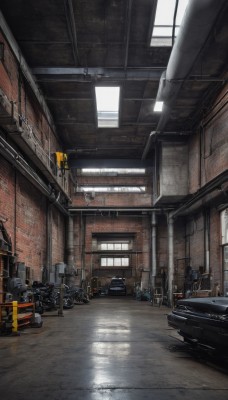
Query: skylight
107	100
164	19
158	106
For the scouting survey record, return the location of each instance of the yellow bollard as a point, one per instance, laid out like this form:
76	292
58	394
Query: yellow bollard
15	320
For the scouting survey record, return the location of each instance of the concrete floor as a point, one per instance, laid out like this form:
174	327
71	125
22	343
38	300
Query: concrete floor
112	348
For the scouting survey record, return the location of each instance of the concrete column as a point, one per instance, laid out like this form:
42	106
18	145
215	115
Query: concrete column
170	258
153	248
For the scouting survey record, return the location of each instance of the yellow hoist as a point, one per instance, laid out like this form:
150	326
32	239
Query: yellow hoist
61	160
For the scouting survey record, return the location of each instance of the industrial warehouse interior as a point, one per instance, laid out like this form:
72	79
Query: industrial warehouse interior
113	199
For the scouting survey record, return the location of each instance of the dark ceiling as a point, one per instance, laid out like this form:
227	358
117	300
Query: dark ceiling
73	45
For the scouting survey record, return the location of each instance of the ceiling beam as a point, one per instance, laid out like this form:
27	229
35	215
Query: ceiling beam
128	28
91	99
140	108
69	122
87	45
152	19
71	26
68	73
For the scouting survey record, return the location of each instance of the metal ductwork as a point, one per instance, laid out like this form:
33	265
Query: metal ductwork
197	23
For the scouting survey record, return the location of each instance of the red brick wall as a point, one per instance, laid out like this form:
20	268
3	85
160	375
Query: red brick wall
214	160
30	108
215	136
25	209
215	246
195	243
121	224
20	202
179	239
30	225
8	73
144	242
77	242
214	145
194	163
7	195
141	226
114	199
195	240
58	237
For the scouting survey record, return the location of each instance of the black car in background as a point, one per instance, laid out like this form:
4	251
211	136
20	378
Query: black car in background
117	287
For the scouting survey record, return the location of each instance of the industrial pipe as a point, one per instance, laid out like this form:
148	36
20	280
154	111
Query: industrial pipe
153	248
197	23
118	209
207	240
83	232
170	222
70	242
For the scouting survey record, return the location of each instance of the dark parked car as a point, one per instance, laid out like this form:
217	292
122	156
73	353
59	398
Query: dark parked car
202	321
117	287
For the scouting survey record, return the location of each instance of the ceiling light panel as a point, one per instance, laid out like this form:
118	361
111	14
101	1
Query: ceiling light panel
107	102
164	19
158	106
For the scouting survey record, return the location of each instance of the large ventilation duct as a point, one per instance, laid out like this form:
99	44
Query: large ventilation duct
197	23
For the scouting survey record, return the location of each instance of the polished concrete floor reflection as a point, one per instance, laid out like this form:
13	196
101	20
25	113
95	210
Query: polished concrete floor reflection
112	348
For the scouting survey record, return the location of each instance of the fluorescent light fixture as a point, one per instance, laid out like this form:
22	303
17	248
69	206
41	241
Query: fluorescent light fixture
158	106
112	189
113	171
107	100
163	24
